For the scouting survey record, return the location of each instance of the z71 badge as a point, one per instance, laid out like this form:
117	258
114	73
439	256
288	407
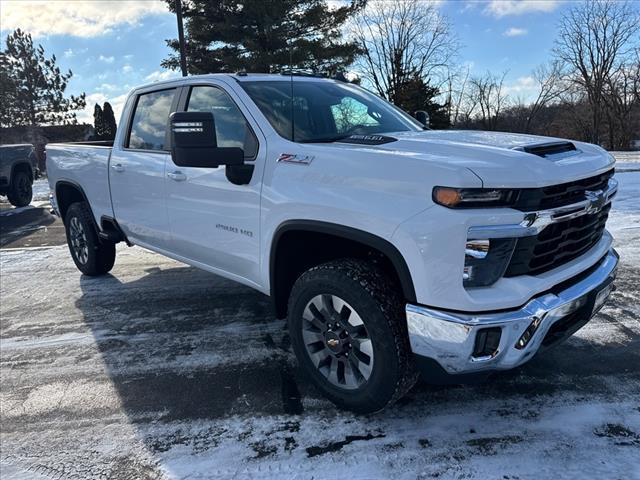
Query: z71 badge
292	158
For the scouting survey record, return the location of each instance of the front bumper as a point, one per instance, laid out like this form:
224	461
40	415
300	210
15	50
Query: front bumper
449	338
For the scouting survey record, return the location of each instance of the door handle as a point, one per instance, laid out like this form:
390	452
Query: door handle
118	167
178	176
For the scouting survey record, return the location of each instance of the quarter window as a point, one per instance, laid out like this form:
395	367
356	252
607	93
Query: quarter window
149	125
232	129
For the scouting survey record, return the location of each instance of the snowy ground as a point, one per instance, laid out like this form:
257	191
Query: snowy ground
164	371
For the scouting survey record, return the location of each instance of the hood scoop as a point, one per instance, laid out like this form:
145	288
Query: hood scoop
551	150
368	139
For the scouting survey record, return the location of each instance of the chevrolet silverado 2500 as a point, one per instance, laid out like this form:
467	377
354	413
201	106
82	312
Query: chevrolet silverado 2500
390	248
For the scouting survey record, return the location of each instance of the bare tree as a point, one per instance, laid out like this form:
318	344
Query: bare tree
595	39
456	85
488	93
402	40
622	100
551	86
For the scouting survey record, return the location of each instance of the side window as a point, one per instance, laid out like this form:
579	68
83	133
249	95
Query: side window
232	129
350	113
149	125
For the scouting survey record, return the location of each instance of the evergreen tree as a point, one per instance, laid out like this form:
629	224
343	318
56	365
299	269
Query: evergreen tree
264	36
98	123
109	119
33	87
416	94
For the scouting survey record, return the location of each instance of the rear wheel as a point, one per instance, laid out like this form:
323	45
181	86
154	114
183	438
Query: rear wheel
91	255
347	327
21	191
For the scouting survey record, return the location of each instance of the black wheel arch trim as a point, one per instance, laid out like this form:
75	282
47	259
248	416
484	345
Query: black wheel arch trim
348	233
69	183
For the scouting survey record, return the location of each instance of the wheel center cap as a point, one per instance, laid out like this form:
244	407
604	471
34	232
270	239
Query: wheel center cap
333	342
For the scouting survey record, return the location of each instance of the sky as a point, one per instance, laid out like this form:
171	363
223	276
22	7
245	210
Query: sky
113	46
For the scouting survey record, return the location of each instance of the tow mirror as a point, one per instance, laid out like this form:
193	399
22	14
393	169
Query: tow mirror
423	118
194	142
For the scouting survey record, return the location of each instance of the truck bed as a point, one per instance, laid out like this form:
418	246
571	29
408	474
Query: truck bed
84	165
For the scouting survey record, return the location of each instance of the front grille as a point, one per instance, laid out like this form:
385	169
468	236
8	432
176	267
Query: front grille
557	244
531	199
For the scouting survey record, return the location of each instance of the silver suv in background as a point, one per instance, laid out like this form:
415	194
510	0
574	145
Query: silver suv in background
18	169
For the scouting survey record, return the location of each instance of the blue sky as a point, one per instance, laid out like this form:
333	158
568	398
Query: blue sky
112	46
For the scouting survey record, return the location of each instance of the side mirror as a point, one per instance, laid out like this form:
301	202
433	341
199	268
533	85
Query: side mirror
423	118
194	143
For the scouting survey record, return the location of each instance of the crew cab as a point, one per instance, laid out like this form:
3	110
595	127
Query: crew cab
391	249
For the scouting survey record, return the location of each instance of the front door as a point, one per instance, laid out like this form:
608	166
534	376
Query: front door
214	221
137	172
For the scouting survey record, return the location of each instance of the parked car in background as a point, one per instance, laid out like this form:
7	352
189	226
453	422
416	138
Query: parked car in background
18	170
390	248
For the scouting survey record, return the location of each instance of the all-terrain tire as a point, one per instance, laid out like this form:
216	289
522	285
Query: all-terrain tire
91	255
367	290
21	192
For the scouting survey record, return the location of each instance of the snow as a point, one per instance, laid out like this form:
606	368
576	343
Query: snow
40	190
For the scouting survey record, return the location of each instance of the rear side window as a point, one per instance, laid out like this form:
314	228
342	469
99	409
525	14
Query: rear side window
232	129
149	125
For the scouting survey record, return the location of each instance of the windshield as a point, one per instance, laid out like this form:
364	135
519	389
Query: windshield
325	111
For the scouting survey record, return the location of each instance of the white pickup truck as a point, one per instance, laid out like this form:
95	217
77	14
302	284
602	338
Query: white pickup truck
392	249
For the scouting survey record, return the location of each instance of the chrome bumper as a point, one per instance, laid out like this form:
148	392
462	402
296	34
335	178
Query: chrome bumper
450	338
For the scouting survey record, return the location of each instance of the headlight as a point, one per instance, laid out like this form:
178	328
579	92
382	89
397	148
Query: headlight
474	197
485	261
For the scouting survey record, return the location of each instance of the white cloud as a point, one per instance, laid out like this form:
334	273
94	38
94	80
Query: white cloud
80	18
160	75
127	69
104	59
86	115
515	32
502	8
525	88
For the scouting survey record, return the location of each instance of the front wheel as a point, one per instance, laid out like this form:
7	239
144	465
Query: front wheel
91	255
348	331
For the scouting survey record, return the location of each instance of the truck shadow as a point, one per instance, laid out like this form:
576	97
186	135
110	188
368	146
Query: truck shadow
193	345
181	343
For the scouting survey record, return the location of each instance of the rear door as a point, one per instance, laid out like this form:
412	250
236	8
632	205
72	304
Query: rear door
137	170
214	212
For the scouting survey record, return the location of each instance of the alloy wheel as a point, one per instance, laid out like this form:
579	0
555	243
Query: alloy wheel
78	240
337	341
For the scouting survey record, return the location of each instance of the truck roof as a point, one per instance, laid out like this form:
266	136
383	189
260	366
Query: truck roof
241	77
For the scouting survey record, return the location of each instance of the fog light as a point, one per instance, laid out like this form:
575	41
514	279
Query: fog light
526	337
485	260
487	342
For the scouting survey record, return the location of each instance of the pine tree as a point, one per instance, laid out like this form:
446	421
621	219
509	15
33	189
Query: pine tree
33	87
416	94
264	36
98	123
109	122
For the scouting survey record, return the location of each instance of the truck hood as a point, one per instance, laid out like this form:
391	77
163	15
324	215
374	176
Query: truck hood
496	157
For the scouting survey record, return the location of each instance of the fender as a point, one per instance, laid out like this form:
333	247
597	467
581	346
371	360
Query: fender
348	233
77	187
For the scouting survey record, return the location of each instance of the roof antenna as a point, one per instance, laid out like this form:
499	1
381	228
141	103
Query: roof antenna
293	112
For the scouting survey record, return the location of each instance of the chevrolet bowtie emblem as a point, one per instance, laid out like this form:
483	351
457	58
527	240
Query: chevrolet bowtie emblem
597	200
